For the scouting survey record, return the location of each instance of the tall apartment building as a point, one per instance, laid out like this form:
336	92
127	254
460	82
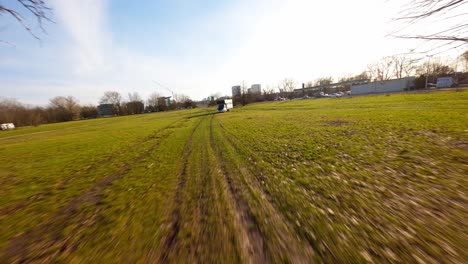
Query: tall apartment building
236	91
255	89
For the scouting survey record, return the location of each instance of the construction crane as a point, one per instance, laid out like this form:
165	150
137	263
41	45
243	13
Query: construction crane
165	87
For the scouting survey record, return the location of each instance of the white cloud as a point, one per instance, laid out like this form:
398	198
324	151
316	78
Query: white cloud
85	22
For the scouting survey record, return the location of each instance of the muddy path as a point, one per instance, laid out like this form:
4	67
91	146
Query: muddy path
168	242
280	240
250	238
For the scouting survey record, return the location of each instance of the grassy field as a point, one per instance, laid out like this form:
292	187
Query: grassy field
378	179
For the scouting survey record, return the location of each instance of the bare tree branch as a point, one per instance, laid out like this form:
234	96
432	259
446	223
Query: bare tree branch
417	11
38	8
449	38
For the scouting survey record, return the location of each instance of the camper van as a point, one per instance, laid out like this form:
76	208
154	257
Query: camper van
7	126
224	105
445	82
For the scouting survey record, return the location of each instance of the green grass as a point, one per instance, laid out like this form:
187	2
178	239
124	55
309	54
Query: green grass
372	178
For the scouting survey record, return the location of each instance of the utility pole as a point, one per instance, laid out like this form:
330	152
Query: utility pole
427	69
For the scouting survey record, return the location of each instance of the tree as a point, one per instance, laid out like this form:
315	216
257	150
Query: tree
420	11
152	102
114	98
309	84
323	81
12	111
244	98
64	108
88	111
135	104
362	76
111	97
269	93
288	85
134	97
432	70
402	66
381	70
464	58
180	98
38	8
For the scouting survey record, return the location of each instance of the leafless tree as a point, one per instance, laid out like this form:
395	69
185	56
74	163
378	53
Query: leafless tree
435	68
88	111
420	11
269	93
135	104
12	111
309	84
464	58
184	101
114	98
64	108
134	97
362	76
181	98
38	8
287	85
323	81
402	66
381	70
244	87
152	102
244	97
111	97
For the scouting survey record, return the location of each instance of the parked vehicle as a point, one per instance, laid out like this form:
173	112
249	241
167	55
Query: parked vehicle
445	82
224	105
7	126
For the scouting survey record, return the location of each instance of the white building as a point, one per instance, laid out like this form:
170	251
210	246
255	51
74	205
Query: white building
396	85
255	89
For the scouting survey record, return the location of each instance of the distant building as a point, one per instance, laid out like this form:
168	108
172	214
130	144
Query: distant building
255	89
389	86
328	88
105	109
236	90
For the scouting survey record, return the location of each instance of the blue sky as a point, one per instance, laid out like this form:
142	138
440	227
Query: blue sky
196	48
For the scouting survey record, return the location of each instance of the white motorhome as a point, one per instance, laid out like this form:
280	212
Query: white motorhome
445	82
7	126
224	105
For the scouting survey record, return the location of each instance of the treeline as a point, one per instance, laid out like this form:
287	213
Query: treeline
60	109
67	108
387	68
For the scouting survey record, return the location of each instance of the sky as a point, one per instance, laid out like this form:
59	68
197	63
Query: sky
197	48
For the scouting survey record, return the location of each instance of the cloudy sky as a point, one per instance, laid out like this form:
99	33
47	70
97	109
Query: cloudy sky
193	47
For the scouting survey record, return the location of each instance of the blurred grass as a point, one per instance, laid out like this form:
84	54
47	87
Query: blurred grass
359	179
376	177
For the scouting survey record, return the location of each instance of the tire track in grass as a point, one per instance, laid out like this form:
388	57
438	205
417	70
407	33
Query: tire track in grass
281	238
47	240
169	241
44	194
250	239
